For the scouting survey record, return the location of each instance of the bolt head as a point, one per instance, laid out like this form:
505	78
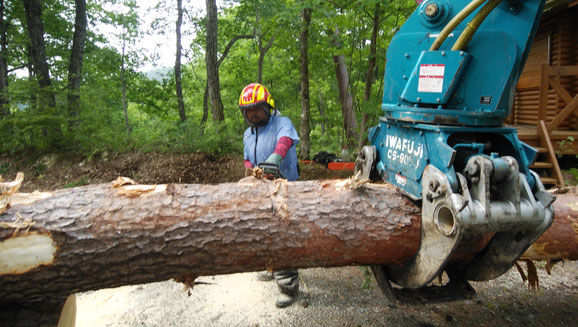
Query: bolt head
433	185
432	10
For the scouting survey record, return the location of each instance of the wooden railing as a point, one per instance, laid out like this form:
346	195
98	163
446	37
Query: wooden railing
550	77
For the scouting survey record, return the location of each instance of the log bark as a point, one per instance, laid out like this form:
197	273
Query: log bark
560	241
98	236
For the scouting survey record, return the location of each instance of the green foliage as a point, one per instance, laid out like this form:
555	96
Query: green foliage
83	181
367	277
39	169
152	111
4	166
564	146
574	173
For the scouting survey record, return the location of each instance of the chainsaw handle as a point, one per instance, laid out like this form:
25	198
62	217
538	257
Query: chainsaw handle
270	169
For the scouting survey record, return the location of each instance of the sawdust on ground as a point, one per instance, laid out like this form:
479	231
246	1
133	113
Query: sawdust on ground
330	297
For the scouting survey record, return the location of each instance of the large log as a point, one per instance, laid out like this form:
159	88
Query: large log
560	241
98	236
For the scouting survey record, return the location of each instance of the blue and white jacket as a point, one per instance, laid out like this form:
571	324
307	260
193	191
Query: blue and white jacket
260	142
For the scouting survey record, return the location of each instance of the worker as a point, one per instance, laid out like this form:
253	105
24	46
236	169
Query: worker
270	138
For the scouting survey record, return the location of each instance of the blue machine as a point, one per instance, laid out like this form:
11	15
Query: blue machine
449	84
471	87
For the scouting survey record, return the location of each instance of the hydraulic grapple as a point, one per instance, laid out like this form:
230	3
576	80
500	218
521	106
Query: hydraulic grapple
450	79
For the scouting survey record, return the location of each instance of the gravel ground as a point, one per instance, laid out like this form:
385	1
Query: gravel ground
330	297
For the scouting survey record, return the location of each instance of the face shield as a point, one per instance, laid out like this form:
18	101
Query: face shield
257	115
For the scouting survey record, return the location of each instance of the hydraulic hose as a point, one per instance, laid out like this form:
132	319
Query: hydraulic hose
473	25
455	22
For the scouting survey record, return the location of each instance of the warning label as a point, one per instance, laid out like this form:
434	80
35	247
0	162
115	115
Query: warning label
400	180
431	78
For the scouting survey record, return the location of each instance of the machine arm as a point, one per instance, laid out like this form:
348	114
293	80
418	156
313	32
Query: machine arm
449	83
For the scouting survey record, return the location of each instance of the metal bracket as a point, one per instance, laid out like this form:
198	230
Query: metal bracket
365	162
441	231
507	246
493	198
456	289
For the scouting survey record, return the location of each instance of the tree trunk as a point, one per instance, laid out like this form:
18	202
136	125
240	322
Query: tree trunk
369	77
123	87
178	84
349	121
205	108
322	113
98	236
32	95
262	49
219	62
46	99
4	100
262	52
305	128
33	9
211	60
76	59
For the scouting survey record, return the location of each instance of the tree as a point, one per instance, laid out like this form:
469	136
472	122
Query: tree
129	23
76	60
47	99
123	87
395	11
99	236
219	62
178	84
349	121
41	71
4	101
263	49
305	128
370	68
145	109
214	87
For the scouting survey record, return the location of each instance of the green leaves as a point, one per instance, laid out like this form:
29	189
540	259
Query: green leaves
152	102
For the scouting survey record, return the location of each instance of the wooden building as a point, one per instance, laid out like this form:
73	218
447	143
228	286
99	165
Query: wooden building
546	102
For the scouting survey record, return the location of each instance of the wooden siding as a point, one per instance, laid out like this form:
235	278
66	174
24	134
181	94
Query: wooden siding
556	43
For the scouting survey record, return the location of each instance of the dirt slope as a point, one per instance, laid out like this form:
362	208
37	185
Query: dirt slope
53	171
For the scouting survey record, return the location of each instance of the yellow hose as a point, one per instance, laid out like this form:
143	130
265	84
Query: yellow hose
473	25
455	22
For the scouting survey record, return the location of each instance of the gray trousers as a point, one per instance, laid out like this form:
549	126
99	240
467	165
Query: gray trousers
287	281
